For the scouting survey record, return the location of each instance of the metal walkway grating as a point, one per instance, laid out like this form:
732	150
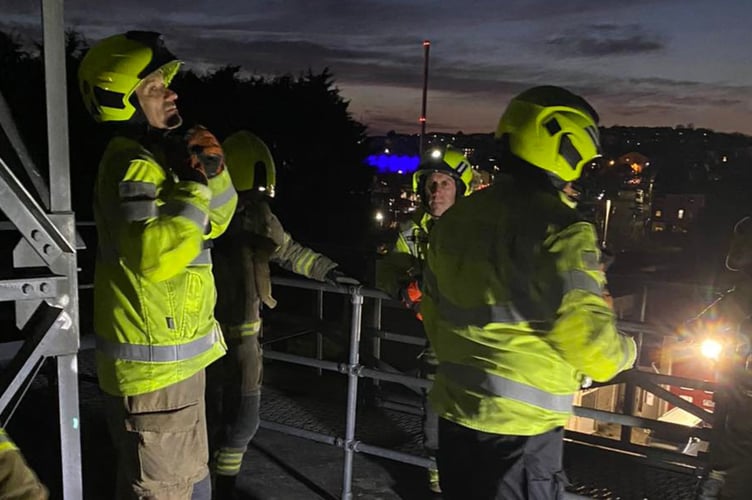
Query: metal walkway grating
592	472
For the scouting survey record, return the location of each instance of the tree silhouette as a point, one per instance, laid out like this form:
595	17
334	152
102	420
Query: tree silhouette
318	147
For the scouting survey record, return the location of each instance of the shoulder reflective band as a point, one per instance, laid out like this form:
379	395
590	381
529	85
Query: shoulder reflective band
190	212
137	189
411	236
137	200
158	353
245	330
203	258
496	385
138	210
480	316
580	280
475	316
220	199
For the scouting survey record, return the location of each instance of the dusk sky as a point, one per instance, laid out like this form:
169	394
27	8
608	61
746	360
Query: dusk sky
640	62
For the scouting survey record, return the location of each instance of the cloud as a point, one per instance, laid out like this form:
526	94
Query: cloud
606	40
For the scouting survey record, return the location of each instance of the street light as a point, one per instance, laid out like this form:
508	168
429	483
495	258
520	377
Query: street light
426	48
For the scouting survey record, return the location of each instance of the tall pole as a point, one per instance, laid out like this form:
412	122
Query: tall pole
426	48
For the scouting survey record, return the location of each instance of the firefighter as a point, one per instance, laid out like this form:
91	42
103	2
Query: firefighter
513	307
160	198
730	467
254	239
443	176
17	480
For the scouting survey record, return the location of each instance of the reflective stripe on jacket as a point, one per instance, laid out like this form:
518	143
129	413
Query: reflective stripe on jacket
513	307
154	291
404	263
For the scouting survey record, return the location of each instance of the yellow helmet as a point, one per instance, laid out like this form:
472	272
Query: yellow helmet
552	129
249	163
113	68
448	161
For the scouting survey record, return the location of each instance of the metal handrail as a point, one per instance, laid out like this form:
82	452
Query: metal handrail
648	381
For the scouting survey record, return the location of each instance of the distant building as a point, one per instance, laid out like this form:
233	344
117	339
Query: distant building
676	213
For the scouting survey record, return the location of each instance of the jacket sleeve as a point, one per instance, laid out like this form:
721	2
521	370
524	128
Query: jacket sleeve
17	480
294	257
223	202
396	268
584	332
162	224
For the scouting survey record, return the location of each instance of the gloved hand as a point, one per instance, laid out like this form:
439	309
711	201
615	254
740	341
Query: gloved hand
177	159
411	295
205	149
336	277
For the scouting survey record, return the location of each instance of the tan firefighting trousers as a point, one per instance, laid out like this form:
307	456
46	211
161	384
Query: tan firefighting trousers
161	441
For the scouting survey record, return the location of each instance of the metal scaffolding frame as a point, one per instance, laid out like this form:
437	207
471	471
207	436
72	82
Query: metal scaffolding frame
44	285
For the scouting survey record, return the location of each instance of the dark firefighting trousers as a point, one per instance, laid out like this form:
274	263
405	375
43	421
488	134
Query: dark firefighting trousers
428	366
475	465
731	441
234	396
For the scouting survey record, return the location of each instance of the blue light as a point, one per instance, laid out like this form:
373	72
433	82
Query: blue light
393	164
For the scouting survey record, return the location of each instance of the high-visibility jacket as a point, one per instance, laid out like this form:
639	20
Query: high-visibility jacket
17	480
254	239
154	292
404	263
513	308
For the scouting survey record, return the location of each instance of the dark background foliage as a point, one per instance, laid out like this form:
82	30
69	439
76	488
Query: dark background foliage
319	149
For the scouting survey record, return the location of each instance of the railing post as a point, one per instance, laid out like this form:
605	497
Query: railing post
356	299
630	392
319	336
376	324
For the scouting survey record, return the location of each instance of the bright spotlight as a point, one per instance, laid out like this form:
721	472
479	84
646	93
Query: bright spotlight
711	349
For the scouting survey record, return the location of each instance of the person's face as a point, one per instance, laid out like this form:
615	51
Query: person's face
158	102
440	193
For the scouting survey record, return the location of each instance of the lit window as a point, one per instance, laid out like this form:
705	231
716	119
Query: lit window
680	213
658	213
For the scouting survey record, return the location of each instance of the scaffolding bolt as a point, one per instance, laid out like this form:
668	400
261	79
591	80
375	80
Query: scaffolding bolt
47	249
26	288
35	234
44	287
347	369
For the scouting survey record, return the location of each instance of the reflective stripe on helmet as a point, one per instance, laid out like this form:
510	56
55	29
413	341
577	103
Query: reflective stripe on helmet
158	353
569	152
479	380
